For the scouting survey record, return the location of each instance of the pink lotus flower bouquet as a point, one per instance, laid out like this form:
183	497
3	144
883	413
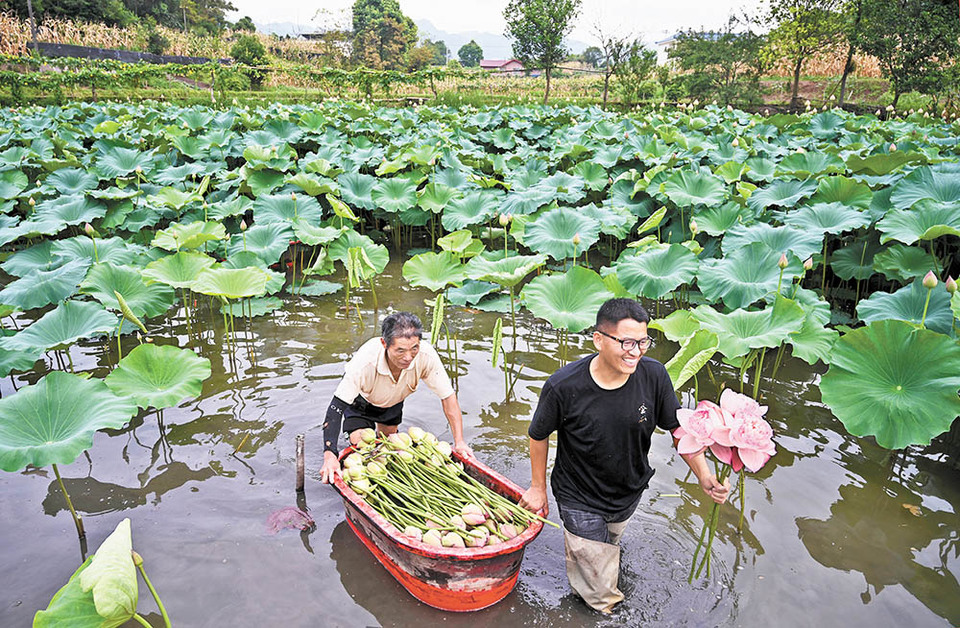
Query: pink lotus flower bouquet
738	437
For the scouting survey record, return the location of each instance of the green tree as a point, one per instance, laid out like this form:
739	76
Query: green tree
438	51
205	16
537	29
593	56
382	34
802	28
634	64
915	41
245	24
112	12
249	51
470	54
722	65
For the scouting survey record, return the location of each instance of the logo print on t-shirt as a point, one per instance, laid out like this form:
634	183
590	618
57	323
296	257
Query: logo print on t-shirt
643	412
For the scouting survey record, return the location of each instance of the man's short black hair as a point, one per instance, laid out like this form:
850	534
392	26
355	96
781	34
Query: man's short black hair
401	325
615	310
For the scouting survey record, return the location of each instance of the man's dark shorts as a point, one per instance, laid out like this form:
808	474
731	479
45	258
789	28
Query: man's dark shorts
362	414
591	525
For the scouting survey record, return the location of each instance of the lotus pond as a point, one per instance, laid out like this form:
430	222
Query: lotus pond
183	286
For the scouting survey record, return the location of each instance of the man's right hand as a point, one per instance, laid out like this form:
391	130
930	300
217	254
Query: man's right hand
330	468
535	499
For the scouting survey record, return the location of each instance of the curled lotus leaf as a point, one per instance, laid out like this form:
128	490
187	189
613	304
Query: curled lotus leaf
827	218
68	322
188	236
567	301
507	272
782	193
106	279
693	354
43	287
902	263
925	183
678	326
377	254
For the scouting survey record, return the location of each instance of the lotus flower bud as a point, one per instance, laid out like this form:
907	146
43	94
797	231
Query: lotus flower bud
368	435
502	513
413	533
356	473
376	470
433	537
576	239
361	486
31	201
729	107
405	455
472	515
88	229
452	539
889	107
243	225
493	539
808	263
893	147
735	142
434	522
505	219
477	537
353	460
877	113
509	530
416	434
399	440
293	196
800	150
430	438
457	522
490	525
951	285
444	449
929	280
137	558
694	228
782	262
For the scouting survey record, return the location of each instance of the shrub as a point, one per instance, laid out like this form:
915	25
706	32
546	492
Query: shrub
249	51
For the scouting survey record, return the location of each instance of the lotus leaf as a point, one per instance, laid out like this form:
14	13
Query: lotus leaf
64	325
553	233
839	189
740	331
395	195
782	193
567	301
801	243
657	271
376	253
615	221
174	199
471	292
903	263
159	376
473	209
811	164
357	189
694	353
826	125
594	175
895	382
285	208
687	189
67	182
925	183
907	304
40	256
506	272
743	277
114	250
262	182
104	279
118	161
434	271
855	261
69	210
881	163
827	218
716	220
313	186
179	270
232	283
927	220
52	421
678	326
434	197
188	236
268	242
43	287
12	183
814	341
319	288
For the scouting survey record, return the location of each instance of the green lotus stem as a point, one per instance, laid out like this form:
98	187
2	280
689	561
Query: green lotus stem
756	379
936	264
741	488
925	305
513	320
776	364
119	349
142	621
76	518
711	523
779	281
373	291
156	598
823	274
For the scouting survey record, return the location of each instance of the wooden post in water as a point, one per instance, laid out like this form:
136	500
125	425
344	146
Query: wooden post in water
300	463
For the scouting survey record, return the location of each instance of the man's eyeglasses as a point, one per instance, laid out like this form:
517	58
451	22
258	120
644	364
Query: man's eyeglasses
629	344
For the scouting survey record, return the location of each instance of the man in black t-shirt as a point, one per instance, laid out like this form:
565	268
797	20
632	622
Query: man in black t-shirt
604	408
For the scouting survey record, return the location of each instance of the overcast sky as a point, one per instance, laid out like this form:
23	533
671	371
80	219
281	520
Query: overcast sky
645	18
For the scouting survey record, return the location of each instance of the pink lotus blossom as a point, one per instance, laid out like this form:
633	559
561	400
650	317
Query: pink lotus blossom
697	427
741	406
753	439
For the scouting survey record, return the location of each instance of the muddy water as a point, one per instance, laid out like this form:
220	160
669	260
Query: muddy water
836	531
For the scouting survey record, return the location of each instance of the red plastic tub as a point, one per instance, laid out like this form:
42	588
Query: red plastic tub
451	579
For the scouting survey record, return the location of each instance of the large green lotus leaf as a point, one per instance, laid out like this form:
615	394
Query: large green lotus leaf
188	236
40	256
117	161
434	271
903	263
415	217
114	250
782	193
435	196
395	195
376	253
895	382
262	182
174	198
799	242
553	232
52	421
716	220
880	164
906	304
68	181
12	182
506	272
563	187
927	220
357	189
567	301
69	210
839	189
826	125
594	175
313	236
687	188
955	304
232	283
43	287
64	325
340	209
615	221
657	271
15	360
814	341
740	331
159	376
230	207
179	270
105	278
925	183
743	277
678	326
827	218
312	185
285	208
471	292
268	157
268	242
761	169
811	164
694	353
458	242
319	288
732	171
473	209
855	261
